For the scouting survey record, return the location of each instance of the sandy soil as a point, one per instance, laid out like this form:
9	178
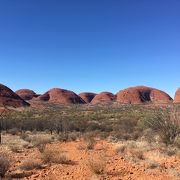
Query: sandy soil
117	166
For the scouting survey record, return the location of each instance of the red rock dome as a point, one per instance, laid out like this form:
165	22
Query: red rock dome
26	94
142	94
10	98
177	96
103	97
61	96
87	96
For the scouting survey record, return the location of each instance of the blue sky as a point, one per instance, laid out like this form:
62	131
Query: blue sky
90	45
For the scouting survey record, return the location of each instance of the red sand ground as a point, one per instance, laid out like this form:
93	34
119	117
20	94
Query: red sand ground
117	168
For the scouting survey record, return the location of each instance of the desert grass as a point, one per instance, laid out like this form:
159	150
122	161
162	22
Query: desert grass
16	148
40	142
55	156
97	164
30	164
4	164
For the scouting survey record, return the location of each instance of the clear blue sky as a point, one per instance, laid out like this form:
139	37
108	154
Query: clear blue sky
90	45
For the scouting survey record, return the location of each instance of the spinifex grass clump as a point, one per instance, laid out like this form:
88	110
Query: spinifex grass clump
4	164
97	164
166	124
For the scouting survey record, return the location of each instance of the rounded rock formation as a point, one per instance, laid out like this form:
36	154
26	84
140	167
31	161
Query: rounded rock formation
103	97
26	94
10	98
177	96
87	96
142	94
61	96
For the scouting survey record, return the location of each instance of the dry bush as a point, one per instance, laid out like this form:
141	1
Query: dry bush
13	131
73	136
121	148
89	141
25	137
137	154
63	137
54	156
53	138
103	135
177	142
170	151
41	147
81	146
148	135
4	164
15	148
19	174
166	124
28	145
87	145
97	164
31	164
131	144
152	165
40	142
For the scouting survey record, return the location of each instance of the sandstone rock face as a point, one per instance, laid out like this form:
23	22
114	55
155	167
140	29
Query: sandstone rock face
9	98
87	96
26	94
177	96
61	96
103	97
142	94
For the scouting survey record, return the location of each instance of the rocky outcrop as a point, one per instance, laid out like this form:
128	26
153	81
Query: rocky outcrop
103	97
177	96
87	96
61	96
10	98
26	94
142	94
